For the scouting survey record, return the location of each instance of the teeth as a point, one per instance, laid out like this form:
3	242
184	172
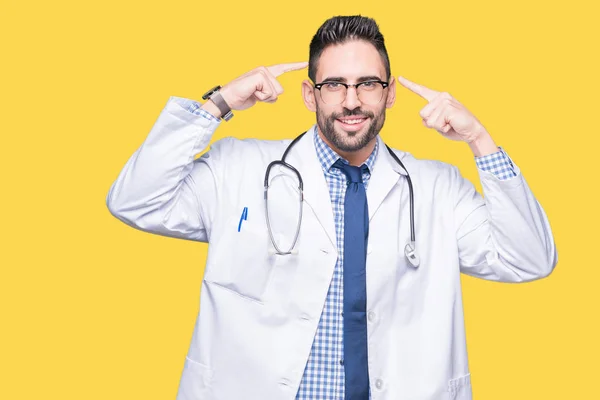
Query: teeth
352	121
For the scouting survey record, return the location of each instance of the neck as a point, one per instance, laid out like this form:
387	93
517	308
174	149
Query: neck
355	158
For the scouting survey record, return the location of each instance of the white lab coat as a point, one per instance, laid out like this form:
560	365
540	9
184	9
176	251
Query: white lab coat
259	312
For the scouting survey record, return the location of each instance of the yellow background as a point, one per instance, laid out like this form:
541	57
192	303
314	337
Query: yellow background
93	309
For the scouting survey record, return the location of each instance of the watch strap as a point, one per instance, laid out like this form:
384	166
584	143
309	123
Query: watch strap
226	113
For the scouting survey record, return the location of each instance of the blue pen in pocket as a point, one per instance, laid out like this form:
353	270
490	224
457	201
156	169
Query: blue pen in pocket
243	217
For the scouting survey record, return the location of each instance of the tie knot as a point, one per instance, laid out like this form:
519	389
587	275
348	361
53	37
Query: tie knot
353	174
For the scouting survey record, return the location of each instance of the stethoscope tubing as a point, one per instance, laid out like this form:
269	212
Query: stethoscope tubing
410	249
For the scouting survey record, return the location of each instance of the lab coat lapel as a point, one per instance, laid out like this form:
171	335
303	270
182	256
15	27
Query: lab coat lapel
385	175
303	156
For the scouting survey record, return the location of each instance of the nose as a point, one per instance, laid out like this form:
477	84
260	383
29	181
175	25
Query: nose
351	101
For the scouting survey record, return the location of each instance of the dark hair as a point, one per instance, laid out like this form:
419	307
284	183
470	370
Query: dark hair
341	29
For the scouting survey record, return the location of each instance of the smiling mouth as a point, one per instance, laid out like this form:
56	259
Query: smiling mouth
352	121
352	124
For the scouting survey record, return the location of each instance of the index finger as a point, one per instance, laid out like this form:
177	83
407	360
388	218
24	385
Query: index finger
424	92
279	69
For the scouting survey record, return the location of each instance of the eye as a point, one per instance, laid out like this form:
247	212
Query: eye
333	86
370	85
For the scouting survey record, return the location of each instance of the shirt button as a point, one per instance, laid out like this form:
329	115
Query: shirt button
378	383
371	316
342	361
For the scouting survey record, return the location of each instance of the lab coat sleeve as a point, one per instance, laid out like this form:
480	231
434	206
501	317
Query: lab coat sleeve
505	234
162	188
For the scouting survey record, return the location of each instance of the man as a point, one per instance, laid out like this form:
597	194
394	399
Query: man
358	305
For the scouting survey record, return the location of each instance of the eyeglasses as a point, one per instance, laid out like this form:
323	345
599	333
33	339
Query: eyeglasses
368	92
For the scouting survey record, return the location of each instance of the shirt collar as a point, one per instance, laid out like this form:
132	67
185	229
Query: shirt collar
327	156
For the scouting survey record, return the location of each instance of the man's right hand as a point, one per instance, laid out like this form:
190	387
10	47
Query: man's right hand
260	84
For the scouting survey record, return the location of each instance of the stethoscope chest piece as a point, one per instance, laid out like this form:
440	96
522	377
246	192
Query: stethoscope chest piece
411	254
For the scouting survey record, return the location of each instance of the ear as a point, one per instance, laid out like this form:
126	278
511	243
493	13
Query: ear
308	94
391	96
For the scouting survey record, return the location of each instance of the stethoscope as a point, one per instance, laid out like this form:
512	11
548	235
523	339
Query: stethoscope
410	250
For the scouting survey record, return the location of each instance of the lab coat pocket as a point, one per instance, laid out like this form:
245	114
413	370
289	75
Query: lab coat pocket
460	388
196	381
240	260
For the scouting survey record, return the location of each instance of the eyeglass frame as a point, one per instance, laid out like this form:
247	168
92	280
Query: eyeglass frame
318	86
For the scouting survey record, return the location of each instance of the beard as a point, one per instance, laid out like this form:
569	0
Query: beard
350	141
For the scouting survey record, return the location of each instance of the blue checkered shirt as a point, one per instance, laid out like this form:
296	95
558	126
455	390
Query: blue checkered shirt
324	372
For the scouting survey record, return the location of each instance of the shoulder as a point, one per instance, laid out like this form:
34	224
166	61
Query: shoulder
434	178
423	167
247	150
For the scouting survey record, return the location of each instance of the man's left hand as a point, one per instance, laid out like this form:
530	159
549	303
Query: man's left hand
447	115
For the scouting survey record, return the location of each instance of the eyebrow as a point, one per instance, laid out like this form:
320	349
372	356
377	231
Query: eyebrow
344	80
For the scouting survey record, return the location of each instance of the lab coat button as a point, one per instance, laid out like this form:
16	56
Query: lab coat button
371	316
285	382
378	383
305	317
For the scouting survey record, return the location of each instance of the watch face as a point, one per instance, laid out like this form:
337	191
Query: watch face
211	91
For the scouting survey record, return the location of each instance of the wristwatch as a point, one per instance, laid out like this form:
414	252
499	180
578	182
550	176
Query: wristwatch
214	95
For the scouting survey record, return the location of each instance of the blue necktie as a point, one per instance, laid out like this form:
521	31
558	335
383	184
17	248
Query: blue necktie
356	232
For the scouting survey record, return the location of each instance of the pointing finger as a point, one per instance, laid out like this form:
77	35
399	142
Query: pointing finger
424	92
279	69
276	85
